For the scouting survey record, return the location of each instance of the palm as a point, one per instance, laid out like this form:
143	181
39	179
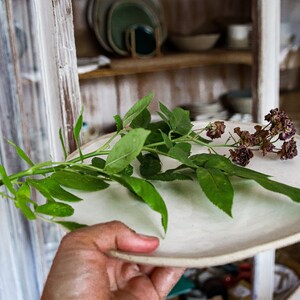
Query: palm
133	281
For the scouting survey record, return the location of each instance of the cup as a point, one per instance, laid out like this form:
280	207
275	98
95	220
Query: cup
239	35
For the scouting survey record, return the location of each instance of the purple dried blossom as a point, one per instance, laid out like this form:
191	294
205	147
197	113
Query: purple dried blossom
280	124
215	130
260	134
266	146
246	138
288	130
288	150
241	155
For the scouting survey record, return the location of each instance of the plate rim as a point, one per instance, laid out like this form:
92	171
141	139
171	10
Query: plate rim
206	260
146	8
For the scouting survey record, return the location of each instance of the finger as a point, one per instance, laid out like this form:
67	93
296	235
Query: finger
164	279
147	269
114	236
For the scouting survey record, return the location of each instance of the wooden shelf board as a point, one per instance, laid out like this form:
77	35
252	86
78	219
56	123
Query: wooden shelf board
127	66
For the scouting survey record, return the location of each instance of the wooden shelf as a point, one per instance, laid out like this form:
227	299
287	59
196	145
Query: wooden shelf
127	66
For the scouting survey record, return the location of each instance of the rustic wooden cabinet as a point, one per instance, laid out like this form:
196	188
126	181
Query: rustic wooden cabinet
54	100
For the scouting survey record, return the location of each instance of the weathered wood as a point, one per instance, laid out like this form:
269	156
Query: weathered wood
59	70
35	102
128	66
265	76
175	80
103	98
266	15
17	255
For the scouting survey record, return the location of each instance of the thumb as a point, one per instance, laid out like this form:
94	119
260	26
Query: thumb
114	236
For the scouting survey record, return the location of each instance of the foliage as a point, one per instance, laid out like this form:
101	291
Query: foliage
140	140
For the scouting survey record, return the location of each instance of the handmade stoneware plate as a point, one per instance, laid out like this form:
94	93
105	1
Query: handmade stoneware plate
124	14
199	234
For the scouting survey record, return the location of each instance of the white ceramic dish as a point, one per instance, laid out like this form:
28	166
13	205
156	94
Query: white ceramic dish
199	234
238	101
195	43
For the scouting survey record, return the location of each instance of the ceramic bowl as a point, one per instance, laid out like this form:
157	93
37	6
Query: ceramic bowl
238	101
195	43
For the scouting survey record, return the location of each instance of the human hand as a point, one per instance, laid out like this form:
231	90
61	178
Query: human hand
82	268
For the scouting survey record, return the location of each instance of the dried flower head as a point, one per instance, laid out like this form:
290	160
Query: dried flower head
215	130
241	155
260	134
288	150
280	124
266	146
246	138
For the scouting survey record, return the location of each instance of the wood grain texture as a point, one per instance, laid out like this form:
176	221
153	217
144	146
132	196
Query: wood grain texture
103	98
170	61
18	254
176	86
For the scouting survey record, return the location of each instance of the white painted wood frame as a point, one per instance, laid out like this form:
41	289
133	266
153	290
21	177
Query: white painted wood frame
62	98
55	104
266	43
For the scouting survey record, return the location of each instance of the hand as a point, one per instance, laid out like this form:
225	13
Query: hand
82	268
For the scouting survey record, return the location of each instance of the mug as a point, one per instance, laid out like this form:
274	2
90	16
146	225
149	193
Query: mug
239	35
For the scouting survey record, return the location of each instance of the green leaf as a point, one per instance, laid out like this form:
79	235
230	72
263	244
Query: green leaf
180	121
142	120
167	141
84	169
210	160
6	181
71	225
217	187
171	175
98	162
136	109
200	159
56	191
119	123
55	209
150	165
181	152
126	150
164	118
62	143
79	181
248	173
77	130
197	137
22	154
147	192
277	187
155	134
22	200
128	171
221	163
40	186
165	110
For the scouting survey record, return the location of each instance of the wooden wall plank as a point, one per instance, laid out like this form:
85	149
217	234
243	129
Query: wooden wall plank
174	87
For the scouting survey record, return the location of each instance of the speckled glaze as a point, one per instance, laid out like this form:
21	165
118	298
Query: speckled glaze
199	234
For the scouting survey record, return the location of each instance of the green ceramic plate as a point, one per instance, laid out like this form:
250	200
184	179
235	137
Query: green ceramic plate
124	14
97	13
144	40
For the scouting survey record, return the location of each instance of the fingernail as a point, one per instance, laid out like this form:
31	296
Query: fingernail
146	236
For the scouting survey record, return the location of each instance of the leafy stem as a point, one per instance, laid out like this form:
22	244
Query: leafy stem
138	139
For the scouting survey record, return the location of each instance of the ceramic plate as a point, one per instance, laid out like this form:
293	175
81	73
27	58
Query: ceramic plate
97	18
124	14
199	234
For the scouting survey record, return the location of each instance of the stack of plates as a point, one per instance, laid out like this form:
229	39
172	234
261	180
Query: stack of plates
111	20
206	111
